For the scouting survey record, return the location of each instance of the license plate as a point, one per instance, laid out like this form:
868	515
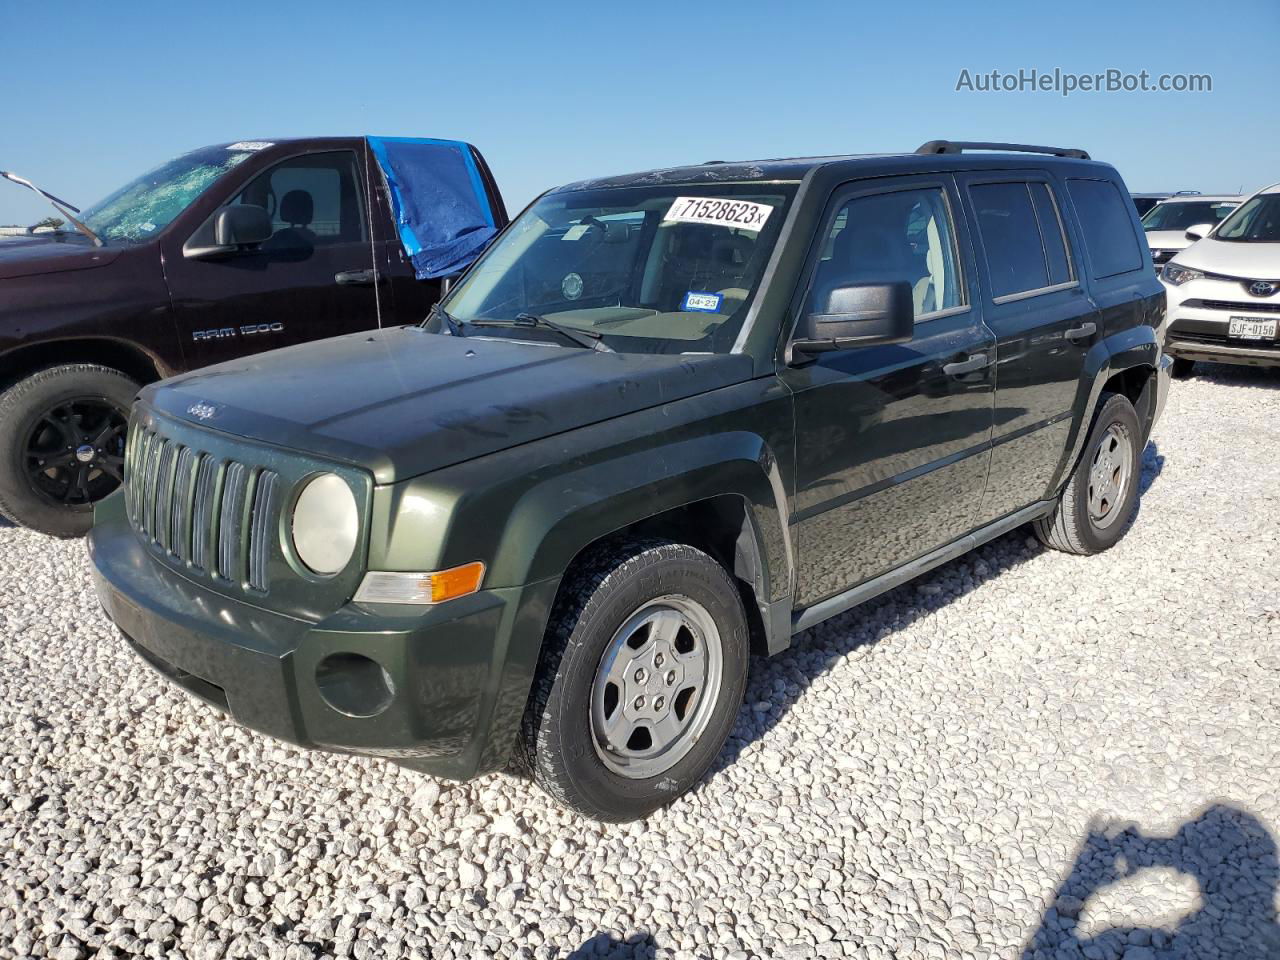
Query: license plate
1251	328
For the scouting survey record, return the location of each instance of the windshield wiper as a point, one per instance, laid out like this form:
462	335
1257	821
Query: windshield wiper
587	339
455	328
59	205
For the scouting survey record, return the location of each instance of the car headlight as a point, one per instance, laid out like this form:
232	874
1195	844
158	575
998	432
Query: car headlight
326	522
1178	275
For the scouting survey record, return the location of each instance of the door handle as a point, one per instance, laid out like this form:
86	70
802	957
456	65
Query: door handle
354	278
975	361
1082	332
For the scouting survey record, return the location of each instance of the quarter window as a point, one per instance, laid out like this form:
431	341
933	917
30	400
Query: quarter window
1107	225
891	237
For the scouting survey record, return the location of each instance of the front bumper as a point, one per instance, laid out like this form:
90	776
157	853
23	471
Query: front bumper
1198	319
447	699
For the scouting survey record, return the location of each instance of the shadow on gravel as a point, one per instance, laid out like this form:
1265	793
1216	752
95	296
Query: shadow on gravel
779	683
639	946
1226	851
1229	375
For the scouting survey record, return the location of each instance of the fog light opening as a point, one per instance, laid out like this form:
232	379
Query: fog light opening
354	685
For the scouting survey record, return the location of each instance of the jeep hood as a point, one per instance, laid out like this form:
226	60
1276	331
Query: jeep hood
1247	261
24	256
403	402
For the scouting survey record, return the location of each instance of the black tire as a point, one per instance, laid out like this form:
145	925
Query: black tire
1182	368
91	397
1071	526
600	595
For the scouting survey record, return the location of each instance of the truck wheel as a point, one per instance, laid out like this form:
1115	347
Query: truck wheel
1098	501
62	445
641	680
1182	368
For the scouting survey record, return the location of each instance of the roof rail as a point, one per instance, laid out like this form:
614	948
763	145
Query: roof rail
1187	193
959	146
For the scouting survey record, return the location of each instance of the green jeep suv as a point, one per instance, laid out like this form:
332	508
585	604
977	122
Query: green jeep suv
666	421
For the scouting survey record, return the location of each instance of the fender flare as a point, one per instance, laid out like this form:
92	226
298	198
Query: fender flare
1134	348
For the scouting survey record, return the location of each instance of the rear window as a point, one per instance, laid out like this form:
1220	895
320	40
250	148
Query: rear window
1107	226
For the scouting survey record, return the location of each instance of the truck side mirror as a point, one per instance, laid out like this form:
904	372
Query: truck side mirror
1199	231
858	315
234	229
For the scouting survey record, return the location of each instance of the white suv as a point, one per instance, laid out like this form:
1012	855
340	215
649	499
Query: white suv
1166	223
1224	291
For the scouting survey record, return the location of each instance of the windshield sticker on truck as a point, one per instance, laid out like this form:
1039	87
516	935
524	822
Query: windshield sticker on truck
697	301
576	231
251	145
742	214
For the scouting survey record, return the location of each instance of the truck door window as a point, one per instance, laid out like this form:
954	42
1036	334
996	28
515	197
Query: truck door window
889	237
313	201
1108	228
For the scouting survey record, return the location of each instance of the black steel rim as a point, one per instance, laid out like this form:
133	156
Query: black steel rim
75	451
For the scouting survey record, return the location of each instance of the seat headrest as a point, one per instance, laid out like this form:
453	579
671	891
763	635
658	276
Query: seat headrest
297	208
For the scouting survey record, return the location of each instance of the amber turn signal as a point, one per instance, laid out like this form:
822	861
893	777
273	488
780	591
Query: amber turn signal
392	587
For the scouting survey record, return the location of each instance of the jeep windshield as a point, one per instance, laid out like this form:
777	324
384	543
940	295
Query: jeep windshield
1257	220
148	204
666	269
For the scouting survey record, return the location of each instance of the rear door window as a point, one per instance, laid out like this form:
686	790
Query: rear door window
1053	236
1107	226
1011	238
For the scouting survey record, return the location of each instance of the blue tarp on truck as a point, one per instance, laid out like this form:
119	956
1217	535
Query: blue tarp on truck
438	199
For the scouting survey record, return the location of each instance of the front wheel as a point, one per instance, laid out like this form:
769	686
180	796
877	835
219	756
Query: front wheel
641	680
62	445
1098	501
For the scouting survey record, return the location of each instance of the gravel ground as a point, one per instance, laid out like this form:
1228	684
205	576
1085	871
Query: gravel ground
1024	754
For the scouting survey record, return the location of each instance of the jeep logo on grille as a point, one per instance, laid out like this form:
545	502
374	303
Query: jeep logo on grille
203	411
1262	288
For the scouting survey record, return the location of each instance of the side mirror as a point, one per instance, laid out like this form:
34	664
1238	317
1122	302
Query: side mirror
859	315
232	230
1199	231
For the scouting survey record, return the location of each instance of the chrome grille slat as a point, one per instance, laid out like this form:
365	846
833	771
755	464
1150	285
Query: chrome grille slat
260	539
202	510
180	517
230	520
149	485
164	494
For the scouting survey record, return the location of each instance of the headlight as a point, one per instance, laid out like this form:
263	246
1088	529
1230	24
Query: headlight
326	523
1176	275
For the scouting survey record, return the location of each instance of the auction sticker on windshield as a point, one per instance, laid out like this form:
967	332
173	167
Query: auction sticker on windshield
719	213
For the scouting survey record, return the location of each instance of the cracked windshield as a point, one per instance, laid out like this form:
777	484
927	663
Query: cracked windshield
147	205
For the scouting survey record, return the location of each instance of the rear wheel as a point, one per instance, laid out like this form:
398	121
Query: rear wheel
1098	501
641	680
1182	368
62	445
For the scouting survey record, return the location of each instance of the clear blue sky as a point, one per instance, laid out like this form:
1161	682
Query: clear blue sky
95	93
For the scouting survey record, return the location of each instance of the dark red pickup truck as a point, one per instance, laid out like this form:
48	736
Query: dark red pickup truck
228	250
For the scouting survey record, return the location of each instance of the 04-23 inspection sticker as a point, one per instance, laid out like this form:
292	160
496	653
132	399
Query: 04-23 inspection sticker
742	214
